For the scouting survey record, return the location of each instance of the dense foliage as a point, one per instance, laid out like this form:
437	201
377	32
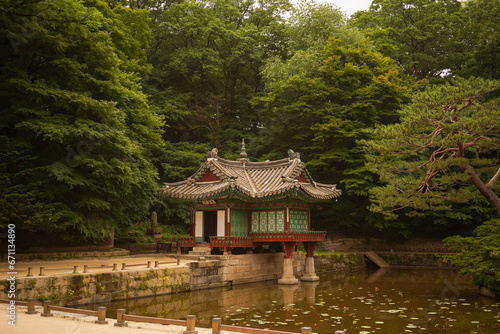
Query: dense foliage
479	254
103	101
78	138
445	148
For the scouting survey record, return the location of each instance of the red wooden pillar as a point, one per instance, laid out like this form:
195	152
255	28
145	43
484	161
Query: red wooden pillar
193	218
227	231
287	219
308	219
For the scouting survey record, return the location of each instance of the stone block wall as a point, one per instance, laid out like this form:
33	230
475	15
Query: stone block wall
339	261
415	260
339	243
240	269
77	289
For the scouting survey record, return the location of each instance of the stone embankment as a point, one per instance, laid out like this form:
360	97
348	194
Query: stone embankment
134	281
338	243
75	288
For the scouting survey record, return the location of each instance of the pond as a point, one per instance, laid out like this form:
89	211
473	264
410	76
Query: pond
386	301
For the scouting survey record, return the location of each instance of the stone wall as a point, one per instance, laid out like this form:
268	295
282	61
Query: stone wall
75	289
415	260
240	269
339	243
339	261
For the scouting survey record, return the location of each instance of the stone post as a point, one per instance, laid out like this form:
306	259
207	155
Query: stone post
154	220
191	321
41	272
216	324
31	306
29	272
154	231
310	274
288	277
85	268
46	309
101	316
120	318
306	330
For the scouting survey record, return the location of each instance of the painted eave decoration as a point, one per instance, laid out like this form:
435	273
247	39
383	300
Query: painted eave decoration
257	181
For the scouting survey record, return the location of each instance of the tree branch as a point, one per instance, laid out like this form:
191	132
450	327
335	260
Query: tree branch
474	141
493	179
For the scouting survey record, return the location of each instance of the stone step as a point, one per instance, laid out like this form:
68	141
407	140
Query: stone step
201	250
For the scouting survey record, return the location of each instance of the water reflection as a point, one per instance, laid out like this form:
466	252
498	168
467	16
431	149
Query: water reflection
389	302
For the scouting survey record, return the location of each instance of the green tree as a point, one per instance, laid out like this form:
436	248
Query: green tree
426	37
80	139
308	30
207	57
483	50
322	117
445	148
479	254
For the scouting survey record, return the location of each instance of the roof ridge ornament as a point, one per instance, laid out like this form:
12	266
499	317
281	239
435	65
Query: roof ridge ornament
243	154
293	155
213	154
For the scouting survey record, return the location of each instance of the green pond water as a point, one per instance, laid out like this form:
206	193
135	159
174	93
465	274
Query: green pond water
386	301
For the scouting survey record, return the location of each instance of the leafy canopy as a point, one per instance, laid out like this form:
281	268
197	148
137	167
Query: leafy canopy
80	140
479	254
424	36
445	148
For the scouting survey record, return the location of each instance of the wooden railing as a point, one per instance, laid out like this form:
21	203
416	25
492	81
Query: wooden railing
306	236
255	238
231	242
186	242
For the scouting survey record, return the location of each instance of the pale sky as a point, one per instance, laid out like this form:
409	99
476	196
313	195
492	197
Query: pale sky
347	6
350	6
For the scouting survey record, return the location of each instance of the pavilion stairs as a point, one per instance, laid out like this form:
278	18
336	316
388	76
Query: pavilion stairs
201	250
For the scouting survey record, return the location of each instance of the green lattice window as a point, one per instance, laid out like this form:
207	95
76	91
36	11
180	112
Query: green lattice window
239	223
268	221
298	220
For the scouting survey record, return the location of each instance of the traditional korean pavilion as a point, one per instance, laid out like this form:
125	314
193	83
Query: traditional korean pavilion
244	204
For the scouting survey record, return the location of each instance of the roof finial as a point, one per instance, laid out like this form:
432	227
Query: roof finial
213	154
243	154
293	155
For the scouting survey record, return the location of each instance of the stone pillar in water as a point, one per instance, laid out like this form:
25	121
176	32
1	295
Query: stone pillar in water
288	277
310	274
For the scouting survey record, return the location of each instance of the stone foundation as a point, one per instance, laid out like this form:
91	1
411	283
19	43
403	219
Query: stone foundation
79	288
340	243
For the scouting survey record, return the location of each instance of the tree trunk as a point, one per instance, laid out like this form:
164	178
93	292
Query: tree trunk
486	191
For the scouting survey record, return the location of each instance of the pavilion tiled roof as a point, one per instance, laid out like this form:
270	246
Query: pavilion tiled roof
218	177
